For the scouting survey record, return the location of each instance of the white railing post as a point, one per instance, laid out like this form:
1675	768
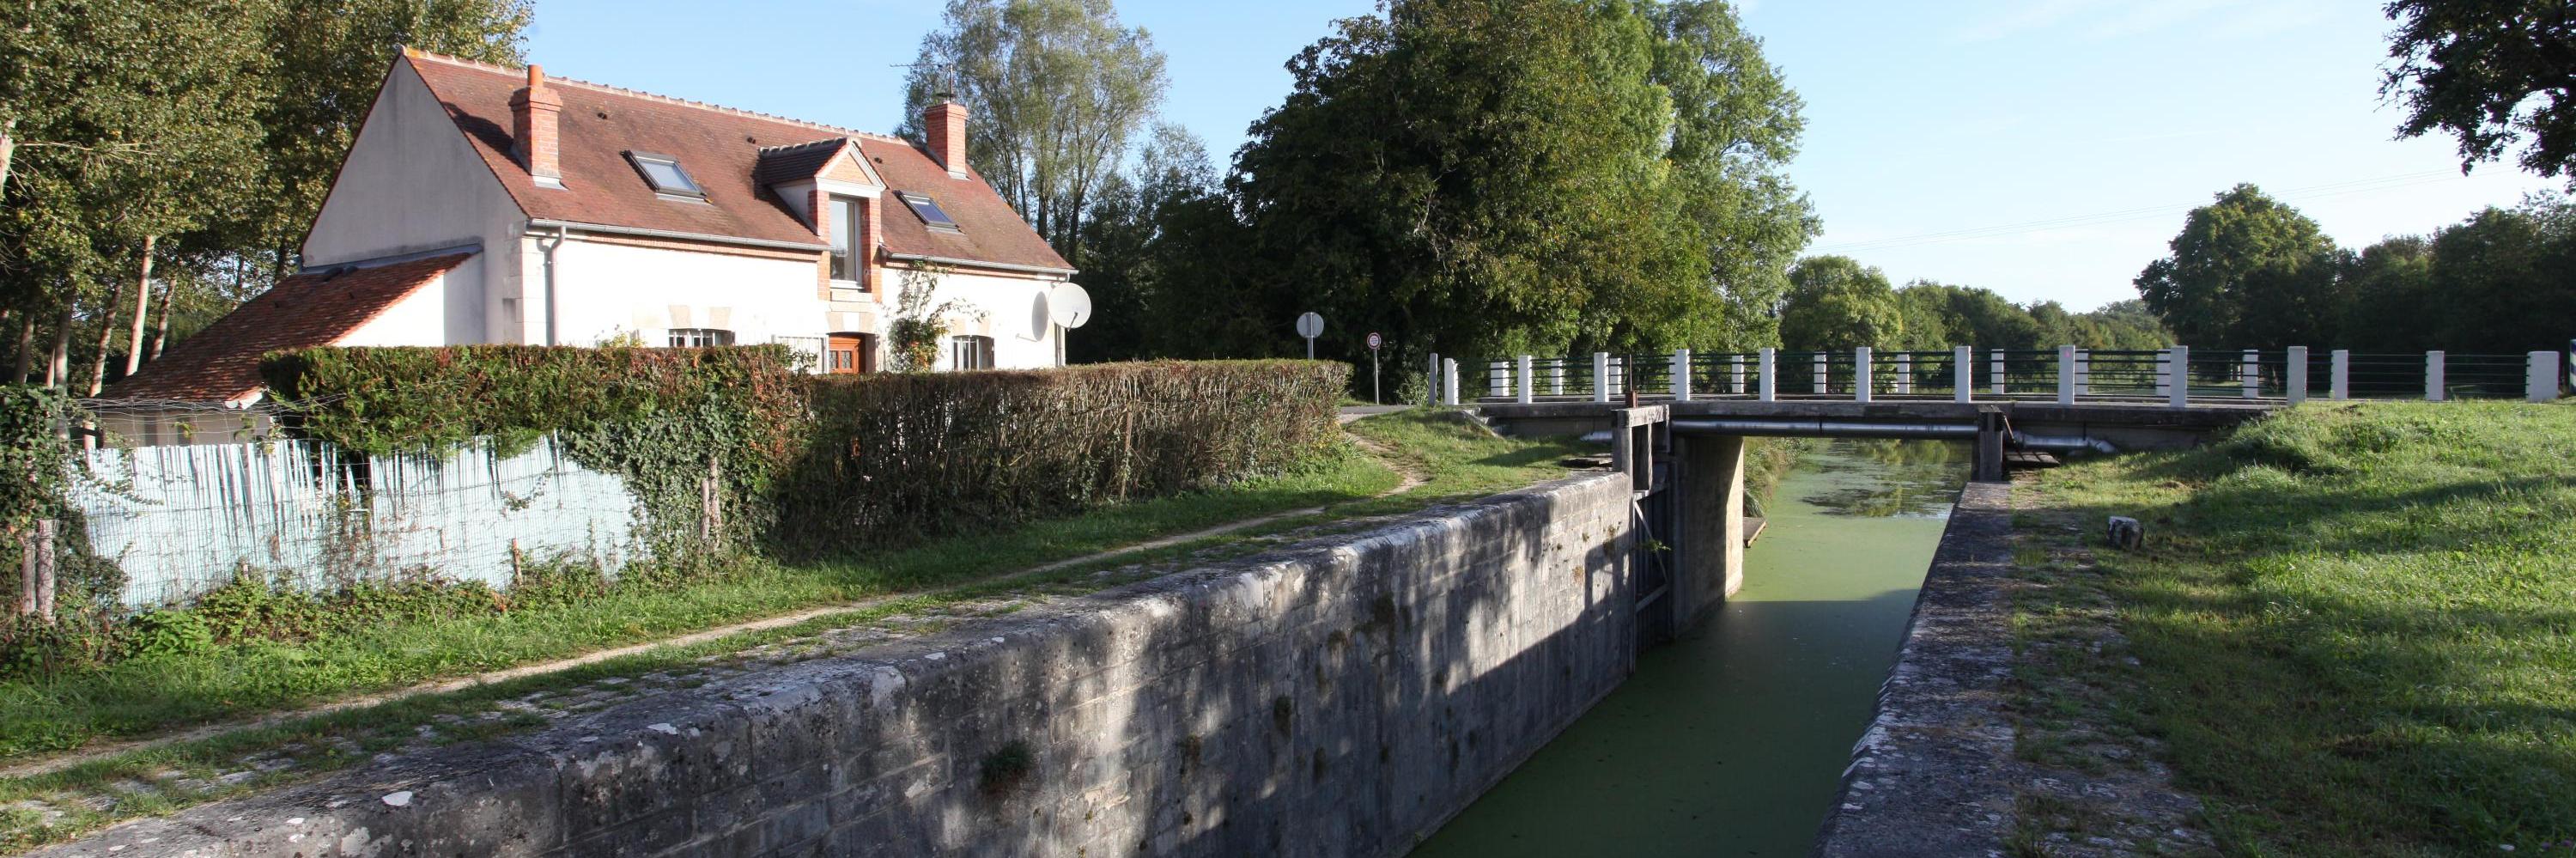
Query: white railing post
1556	376
1738	388
1824	379
1860	374
1770	377
1448	381
2083	372
1995	372
1600	376
2181	388
2541	384
1618	375
1905	374
1498	379
2164	372
2249	375
1963	373
1529	380
2339	375
1681	375
2296	384
1431	381
2433	387
2065	375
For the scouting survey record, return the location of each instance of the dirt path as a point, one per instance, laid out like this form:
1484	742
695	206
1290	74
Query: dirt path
1411	479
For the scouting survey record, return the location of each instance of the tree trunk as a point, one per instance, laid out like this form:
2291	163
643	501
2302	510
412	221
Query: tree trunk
8	149
106	335
161	327
142	310
26	359
44	571
58	366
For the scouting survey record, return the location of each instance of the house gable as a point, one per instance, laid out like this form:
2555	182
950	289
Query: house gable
407	185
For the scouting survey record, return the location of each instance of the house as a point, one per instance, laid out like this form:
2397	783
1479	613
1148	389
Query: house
484	204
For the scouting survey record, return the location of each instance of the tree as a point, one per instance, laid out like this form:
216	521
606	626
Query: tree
2392	306
2500	280
1836	304
1128	248
1055	88
2490	72
1475	177
2246	271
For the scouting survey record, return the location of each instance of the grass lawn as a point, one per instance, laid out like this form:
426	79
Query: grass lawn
2354	625
1452	458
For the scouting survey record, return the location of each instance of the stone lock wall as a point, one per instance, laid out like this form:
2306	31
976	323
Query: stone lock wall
1341	698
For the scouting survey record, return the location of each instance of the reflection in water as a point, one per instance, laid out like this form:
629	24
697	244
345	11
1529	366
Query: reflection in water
1731	740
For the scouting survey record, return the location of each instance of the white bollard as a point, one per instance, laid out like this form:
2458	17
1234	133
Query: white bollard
1529	381
2065	375
2339	375
1905	374
2542	383
1448	381
1738	385
1860	374
1681	375
1963	373
1770	377
1600	376
1995	372
2181	386
2433	387
2297	385
2250	374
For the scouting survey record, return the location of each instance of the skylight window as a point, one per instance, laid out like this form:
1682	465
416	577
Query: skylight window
663	172
929	212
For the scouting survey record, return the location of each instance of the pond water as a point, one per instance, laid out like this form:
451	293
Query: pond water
1731	740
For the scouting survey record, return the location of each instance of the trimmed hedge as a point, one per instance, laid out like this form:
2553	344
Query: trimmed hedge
895	456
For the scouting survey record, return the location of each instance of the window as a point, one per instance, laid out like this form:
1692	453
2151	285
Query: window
663	172
695	338
970	352
850	354
847	253
929	211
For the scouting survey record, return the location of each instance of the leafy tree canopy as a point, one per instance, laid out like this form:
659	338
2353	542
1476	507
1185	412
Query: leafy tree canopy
1835	303
2493	73
2246	270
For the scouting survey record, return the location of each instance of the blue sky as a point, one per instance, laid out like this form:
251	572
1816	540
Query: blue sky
2043	148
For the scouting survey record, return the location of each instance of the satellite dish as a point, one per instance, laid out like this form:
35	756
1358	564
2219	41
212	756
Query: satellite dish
1069	305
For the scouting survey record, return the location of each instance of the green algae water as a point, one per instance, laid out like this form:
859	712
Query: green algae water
1731	739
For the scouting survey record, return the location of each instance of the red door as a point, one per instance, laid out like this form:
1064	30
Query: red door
850	354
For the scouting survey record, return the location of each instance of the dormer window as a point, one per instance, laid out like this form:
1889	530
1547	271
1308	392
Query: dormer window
664	174
929	212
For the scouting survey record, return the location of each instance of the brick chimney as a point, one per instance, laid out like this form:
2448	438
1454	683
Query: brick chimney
533	137
944	127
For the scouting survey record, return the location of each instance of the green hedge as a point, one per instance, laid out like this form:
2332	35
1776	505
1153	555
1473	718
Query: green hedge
894	456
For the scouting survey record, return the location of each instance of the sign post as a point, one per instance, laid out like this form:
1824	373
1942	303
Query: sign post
1310	326
1374	342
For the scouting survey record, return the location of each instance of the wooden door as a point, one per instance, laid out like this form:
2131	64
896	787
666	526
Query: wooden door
850	354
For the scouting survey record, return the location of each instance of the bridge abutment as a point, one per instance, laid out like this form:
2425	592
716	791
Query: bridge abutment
1710	548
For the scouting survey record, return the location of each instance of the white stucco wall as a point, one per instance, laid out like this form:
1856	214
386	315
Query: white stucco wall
428	316
1014	314
603	289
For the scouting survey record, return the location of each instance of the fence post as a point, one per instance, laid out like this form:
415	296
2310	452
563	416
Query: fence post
1448	381
1681	375
1770	378
2181	389
1860	374
2164	372
1556	376
1995	372
1529	381
2541	384
2433	391
2083	372
2065	375
1738	387
2249	375
1905	373
1600	376
2339	375
44	571
2296	385
1824	377
1618	375
1963	373
1431	381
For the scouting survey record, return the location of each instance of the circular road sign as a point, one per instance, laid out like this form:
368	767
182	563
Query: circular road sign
1375	341
1310	325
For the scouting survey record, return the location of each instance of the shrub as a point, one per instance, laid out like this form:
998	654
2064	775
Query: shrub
908	455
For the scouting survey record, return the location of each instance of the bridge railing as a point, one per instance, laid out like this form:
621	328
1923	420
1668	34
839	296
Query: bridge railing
2177	376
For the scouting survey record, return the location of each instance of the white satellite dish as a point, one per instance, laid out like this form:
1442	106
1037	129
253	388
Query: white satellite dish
1069	305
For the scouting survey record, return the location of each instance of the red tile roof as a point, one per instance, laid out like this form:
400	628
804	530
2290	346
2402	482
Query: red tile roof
721	149
221	363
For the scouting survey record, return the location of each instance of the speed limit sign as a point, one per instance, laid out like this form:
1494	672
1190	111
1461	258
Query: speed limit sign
1375	341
